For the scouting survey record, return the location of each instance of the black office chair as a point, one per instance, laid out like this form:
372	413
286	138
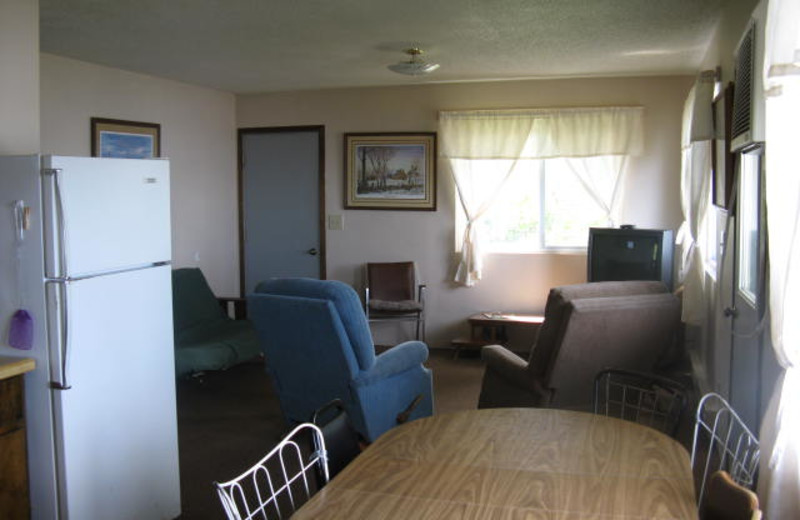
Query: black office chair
342	441
643	398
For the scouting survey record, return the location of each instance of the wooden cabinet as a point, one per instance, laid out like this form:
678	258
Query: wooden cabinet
14	499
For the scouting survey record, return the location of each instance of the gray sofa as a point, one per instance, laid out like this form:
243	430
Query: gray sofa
587	327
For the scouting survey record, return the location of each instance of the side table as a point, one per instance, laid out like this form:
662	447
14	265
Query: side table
489	328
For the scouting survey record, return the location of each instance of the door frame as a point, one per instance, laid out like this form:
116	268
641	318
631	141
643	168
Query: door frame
241	132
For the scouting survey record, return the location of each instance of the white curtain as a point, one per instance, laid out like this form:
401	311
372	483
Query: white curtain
779	480
696	144
603	180
486	144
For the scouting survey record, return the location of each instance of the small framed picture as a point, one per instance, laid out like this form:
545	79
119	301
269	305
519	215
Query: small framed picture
125	139
391	171
722	158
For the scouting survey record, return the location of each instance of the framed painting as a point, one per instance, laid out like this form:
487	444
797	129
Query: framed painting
125	139
722	159
392	171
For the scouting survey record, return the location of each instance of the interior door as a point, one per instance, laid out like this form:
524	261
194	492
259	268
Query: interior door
748	298
281	203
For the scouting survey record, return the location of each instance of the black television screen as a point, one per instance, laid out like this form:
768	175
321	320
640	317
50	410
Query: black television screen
630	254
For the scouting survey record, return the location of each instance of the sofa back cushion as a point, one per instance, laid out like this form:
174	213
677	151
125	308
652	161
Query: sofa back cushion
193	302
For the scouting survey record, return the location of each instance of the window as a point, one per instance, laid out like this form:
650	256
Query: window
749	223
548	153
543	206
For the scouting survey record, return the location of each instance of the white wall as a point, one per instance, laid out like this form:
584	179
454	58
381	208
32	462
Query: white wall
511	282
198	135
19	77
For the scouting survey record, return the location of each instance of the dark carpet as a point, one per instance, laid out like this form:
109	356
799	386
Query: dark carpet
228	420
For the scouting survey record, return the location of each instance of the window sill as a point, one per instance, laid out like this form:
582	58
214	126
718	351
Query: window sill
573	252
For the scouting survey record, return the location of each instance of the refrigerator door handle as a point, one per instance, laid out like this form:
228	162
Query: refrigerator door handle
59	341
58	234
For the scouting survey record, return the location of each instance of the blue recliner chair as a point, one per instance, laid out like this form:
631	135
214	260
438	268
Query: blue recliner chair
318	347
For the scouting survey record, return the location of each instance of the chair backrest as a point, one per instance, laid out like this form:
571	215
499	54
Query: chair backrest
391	281
280	482
341	438
727	500
722	441
193	302
552	329
640	397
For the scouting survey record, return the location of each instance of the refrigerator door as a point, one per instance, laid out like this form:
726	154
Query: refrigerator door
105	214
116	425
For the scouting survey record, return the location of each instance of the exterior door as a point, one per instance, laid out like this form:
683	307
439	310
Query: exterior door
281	183
747	341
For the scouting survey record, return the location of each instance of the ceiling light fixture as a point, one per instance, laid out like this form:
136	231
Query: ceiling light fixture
416	66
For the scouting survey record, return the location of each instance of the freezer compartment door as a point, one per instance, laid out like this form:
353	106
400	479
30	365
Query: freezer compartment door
105	214
116	425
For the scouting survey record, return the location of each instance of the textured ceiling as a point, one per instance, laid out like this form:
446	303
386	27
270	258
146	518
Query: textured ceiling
247	46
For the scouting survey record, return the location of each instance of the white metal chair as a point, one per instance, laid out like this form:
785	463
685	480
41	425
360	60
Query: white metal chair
648	399
722	441
281	482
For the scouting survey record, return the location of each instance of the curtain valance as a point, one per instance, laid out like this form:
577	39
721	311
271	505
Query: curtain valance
541	133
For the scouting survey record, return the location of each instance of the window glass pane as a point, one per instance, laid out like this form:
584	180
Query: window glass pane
512	224
748	226
536	192
569	208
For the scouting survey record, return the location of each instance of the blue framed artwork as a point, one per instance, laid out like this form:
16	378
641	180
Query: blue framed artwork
125	139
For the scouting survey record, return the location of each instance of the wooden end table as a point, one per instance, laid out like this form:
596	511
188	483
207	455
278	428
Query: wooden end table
489	328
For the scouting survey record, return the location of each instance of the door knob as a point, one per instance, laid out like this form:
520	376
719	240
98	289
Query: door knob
313	251
729	312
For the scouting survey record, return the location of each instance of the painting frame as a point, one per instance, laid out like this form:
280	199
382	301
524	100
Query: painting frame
722	160
125	139
406	179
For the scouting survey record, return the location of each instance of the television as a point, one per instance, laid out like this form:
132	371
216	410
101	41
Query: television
627	253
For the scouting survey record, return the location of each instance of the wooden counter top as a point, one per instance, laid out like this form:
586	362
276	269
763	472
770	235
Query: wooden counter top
14	366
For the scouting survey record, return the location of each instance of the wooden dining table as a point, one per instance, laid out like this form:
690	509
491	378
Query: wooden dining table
513	463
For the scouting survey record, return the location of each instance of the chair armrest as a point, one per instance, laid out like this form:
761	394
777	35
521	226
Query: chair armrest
394	361
239	306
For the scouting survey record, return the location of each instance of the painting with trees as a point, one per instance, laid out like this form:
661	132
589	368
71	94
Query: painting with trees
390	171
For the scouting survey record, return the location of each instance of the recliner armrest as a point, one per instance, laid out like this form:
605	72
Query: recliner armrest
511	367
394	361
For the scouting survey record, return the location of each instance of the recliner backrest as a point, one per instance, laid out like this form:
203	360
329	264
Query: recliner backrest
315	349
630	332
346	303
556	318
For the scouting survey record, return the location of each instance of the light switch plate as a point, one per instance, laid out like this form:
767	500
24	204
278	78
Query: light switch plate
335	222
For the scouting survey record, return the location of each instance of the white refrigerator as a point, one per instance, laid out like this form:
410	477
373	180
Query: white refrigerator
85	248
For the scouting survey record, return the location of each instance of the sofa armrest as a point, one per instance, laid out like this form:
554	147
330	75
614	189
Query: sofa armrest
394	361
239	306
